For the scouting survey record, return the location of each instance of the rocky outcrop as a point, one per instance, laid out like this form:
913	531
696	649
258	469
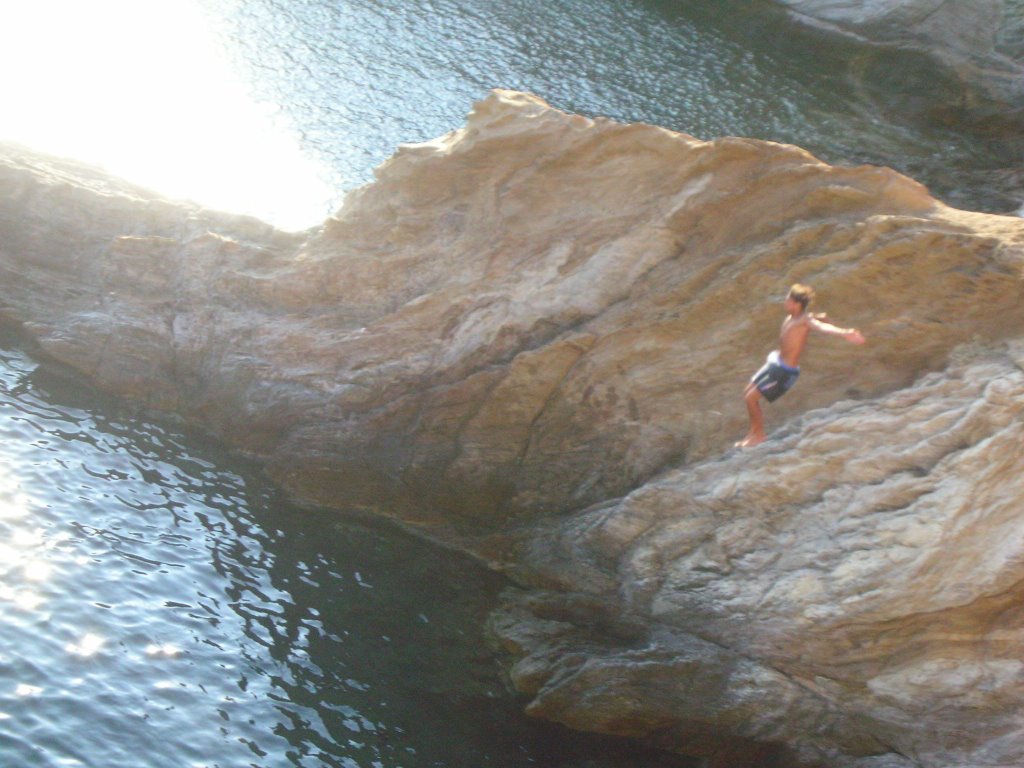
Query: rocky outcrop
527	339
860	576
982	42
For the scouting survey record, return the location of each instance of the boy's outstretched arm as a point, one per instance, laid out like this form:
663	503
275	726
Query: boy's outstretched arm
850	334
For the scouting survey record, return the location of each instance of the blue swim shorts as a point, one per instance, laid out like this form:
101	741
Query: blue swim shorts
774	378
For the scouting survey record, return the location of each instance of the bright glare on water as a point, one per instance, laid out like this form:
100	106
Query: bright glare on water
276	107
143	89
161	608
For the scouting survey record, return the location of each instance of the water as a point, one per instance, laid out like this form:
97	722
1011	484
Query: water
160	606
357	77
277	107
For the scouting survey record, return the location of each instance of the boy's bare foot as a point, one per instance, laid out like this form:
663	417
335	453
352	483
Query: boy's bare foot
750	441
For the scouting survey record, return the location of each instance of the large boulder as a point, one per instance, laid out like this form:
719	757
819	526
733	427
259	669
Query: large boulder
528	339
851	589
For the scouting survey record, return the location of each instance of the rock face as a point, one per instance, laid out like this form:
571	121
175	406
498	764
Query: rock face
981	41
528	339
869	559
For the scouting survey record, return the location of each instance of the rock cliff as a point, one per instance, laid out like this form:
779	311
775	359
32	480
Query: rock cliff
981	42
527	339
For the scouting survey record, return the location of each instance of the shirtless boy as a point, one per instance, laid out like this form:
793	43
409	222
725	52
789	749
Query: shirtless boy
781	370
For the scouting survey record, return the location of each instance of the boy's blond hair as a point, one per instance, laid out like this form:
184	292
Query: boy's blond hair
801	294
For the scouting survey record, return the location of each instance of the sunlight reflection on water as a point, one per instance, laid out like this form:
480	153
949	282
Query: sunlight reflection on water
275	107
158	600
142	89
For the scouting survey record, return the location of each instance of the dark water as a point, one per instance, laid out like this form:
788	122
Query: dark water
358	77
160	606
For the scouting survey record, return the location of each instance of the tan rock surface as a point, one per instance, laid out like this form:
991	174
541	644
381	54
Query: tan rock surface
870	559
541	312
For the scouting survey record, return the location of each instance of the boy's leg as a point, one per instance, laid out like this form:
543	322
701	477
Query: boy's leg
755	435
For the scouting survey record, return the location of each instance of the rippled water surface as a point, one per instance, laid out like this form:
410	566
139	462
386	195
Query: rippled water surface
159	606
358	77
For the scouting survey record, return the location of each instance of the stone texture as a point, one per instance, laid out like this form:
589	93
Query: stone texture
527	339
979	40
869	559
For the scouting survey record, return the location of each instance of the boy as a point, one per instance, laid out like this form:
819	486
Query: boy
781	370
